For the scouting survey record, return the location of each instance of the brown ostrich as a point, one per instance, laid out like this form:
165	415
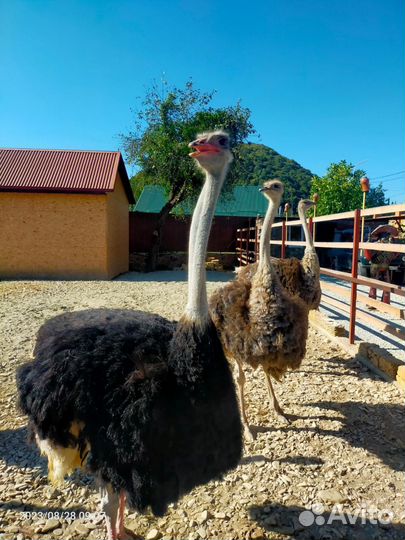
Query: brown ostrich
146	405
298	277
258	321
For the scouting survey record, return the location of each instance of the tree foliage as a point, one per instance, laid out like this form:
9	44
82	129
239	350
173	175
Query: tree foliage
167	121
340	191
258	163
169	118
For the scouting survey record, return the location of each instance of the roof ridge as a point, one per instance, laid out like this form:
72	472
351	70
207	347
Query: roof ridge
73	171
59	150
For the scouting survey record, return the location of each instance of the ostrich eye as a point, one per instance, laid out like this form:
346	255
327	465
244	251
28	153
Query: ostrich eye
223	141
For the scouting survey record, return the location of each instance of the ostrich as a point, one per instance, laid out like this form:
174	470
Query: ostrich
298	277
146	405
258	321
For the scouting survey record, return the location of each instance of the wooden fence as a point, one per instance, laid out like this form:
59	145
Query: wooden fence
248	248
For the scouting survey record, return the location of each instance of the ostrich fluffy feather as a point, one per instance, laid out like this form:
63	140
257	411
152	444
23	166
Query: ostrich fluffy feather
270	333
297	277
128	392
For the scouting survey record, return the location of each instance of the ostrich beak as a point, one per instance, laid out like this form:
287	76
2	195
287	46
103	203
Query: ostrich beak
202	148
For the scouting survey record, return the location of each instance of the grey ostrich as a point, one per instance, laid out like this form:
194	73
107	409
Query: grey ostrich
298	277
258	321
146	405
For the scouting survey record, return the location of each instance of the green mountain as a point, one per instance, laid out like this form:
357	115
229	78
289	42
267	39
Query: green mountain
257	163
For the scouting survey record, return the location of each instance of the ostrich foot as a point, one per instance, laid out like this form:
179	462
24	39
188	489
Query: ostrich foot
282	417
280	414
126	534
247	433
274	402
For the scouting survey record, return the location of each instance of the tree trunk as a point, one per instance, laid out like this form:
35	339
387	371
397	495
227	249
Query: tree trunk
153	255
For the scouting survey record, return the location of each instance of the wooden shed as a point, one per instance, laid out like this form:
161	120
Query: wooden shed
239	209
63	214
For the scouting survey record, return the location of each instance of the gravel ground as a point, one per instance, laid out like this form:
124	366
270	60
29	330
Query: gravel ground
345	445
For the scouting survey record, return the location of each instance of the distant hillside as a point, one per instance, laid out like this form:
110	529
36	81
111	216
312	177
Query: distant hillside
259	163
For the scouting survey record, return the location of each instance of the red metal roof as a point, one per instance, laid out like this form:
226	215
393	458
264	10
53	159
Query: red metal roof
73	171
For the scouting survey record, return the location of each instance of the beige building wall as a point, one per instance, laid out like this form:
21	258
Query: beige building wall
54	235
117	230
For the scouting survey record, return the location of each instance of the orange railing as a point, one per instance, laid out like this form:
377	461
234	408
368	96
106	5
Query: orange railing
247	252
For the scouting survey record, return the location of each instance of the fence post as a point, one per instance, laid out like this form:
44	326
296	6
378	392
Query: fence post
256	242
247	244
240	247
283	237
311	227
355	258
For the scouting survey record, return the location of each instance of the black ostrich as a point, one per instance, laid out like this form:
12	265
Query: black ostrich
145	404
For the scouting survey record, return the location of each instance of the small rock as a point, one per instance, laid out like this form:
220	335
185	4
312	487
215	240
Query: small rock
260	462
220	515
58	532
331	495
50	525
81	529
202	532
52	493
91	525
202	518
12	529
153	534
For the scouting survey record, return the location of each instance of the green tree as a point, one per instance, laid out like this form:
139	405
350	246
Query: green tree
340	191
168	120
376	197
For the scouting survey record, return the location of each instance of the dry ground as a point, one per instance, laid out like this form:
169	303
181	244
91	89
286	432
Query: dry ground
345	443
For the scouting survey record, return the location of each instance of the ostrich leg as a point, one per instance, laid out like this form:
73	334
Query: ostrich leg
109	506
241	379
122	532
273	400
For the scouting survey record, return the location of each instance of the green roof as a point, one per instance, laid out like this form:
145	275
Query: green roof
246	201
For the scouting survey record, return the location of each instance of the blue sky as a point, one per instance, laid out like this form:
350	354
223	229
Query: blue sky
324	79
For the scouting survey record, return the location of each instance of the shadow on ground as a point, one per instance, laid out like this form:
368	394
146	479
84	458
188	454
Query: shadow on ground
16	450
48	509
378	428
322	524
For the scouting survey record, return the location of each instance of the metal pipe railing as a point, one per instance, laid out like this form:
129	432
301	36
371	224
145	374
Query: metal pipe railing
355	246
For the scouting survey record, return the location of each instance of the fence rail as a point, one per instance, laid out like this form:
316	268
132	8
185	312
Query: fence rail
248	252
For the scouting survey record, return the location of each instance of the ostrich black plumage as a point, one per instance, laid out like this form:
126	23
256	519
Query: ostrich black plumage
145	404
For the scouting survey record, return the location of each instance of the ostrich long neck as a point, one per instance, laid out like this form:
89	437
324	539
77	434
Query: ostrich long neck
194	226
264	248
197	305
265	282
309	241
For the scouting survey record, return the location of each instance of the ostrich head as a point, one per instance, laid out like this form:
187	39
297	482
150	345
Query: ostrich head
273	190
212	151
305	205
